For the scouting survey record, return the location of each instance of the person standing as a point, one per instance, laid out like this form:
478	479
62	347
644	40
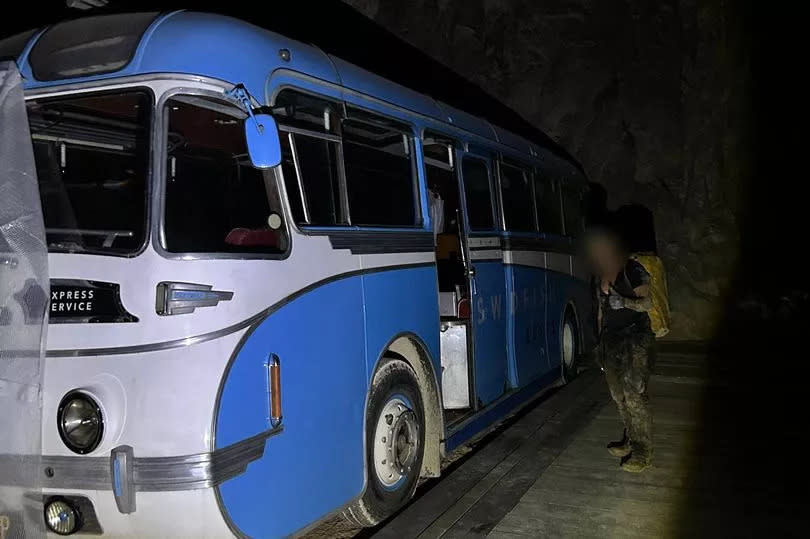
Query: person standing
622	295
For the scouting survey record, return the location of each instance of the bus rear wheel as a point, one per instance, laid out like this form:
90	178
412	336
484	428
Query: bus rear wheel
570	348
395	442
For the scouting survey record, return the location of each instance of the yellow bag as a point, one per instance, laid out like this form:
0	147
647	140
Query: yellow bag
659	314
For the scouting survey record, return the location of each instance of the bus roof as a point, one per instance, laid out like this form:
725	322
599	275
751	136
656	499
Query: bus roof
347	55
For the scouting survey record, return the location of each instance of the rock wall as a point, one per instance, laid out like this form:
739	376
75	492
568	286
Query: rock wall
652	97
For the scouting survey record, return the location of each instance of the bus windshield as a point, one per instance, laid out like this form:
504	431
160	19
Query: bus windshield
92	160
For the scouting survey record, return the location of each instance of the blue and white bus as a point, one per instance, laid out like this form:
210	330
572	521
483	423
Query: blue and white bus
281	286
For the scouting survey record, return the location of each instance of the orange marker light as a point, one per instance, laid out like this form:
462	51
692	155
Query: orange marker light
274	368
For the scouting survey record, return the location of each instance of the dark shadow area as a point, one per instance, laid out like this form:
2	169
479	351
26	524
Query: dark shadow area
750	464
634	223
596	210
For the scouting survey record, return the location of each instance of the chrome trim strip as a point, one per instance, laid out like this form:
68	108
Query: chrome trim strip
558	262
238	326
156	346
484	242
117	82
486	255
308	133
299	177
149	474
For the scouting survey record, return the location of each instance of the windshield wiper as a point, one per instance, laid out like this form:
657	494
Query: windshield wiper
109	235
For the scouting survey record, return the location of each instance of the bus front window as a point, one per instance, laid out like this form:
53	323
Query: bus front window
216	201
92	160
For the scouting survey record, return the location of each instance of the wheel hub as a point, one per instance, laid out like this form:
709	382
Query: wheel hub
396	442
568	345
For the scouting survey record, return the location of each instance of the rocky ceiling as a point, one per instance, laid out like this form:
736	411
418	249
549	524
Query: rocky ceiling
652	97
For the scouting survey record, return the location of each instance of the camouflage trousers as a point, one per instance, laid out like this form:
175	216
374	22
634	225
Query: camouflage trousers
628	362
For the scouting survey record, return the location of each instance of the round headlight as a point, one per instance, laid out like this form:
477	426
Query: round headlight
61	517
80	422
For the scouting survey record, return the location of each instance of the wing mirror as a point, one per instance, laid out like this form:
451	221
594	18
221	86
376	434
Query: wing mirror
263	144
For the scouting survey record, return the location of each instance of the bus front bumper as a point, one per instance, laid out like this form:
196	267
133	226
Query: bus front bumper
124	474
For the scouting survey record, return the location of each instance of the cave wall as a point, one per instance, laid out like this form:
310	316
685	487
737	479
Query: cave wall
652	97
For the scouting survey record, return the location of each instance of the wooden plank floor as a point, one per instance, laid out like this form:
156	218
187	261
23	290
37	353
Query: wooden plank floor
548	474
584	493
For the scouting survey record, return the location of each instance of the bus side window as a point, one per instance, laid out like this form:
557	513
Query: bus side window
516	195
310	149
311	163
478	193
380	179
572	209
549	205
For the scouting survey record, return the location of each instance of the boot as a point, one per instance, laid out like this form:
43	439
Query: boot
636	462
621	448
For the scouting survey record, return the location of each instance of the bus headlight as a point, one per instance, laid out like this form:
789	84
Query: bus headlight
80	422
61	517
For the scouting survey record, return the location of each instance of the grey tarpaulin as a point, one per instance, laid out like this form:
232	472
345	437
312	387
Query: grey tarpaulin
23	316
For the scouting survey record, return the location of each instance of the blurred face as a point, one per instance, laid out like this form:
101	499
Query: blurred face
604	256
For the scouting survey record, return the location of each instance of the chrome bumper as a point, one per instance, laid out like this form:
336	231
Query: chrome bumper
125	474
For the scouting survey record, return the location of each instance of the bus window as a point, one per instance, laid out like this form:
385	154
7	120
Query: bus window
92	159
311	163
478	194
438	151
572	210
304	111
445	208
310	149
549	205
215	200
516	194
379	175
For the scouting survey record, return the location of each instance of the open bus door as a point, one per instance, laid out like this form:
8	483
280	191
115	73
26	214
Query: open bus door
23	316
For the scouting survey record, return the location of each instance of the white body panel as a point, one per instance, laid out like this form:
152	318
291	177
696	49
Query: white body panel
186	514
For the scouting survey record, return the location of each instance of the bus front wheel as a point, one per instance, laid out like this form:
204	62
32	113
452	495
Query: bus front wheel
395	441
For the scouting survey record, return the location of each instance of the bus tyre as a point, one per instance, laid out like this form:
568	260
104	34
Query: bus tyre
569	339
395	441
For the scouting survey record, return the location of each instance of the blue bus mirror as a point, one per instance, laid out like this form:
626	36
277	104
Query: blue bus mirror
263	144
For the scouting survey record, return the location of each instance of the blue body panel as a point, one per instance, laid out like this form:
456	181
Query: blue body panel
490	312
319	375
466	121
362	81
527	326
401	302
325	383
213	46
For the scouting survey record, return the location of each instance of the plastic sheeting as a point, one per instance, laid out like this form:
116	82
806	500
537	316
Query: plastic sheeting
23	312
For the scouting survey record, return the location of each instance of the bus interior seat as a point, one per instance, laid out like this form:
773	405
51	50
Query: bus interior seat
245	237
